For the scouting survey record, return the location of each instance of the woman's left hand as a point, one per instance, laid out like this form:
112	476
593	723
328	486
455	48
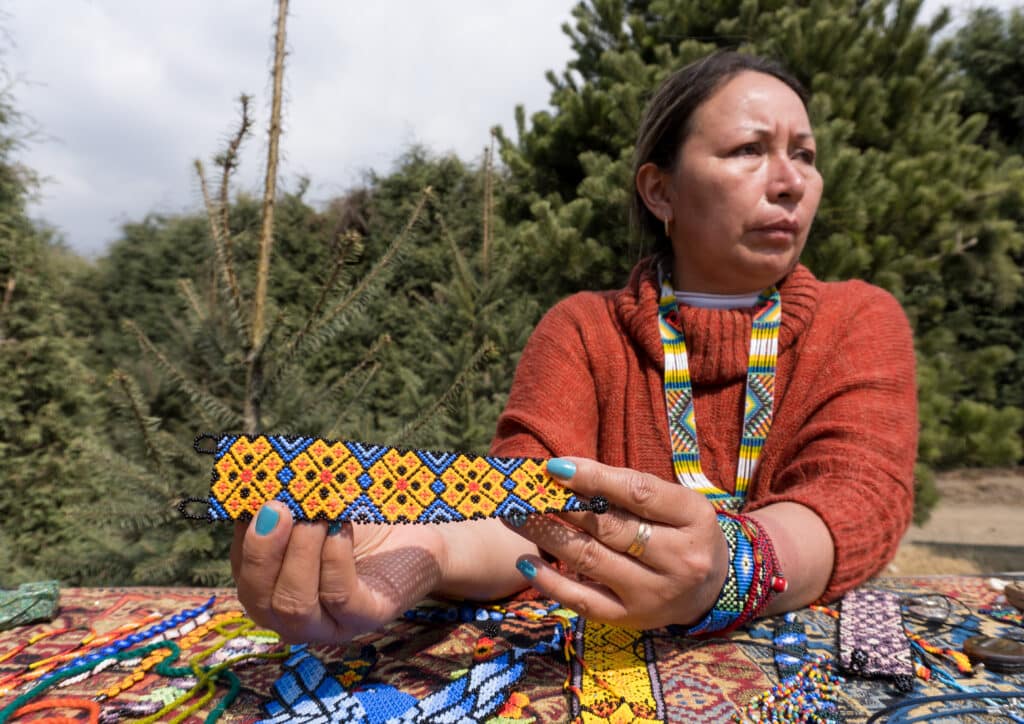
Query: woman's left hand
672	578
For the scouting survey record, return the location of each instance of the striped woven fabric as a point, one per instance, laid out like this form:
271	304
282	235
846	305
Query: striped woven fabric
338	480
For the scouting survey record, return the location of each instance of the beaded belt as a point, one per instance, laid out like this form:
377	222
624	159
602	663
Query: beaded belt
339	480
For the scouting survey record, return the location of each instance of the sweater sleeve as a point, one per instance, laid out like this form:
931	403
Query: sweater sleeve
852	459
552	408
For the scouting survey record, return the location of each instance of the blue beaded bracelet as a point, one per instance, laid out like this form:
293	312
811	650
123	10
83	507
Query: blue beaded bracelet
751	582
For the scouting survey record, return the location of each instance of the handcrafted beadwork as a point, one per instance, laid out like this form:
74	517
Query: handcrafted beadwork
338	480
613	675
760	391
807	696
752	580
872	639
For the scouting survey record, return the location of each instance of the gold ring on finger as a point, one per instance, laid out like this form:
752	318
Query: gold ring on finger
639	544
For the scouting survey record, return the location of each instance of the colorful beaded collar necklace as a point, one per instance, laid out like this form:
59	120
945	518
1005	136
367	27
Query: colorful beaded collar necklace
757	416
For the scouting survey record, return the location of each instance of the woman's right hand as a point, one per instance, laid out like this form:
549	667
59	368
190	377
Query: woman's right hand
308	586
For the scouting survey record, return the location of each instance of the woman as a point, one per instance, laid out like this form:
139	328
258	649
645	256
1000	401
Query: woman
803	420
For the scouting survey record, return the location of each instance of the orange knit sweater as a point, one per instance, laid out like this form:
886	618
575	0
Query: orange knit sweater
844	435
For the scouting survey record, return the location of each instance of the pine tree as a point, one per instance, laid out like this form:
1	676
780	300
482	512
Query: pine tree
344	348
913	201
47	402
989	51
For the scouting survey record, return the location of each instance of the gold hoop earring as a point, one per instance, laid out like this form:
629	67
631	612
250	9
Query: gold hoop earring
668	227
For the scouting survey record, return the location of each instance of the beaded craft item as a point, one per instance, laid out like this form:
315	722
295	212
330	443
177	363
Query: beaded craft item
752	581
872	639
337	480
614	675
790	641
462	662
308	693
760	390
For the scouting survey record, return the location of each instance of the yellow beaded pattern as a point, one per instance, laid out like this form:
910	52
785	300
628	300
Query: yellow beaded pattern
611	680
350	481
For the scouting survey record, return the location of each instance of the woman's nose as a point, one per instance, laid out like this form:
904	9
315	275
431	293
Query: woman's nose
785	181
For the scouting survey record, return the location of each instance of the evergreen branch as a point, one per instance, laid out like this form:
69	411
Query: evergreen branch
145	423
324	329
270	180
157	569
960	246
337	388
6	304
216	572
484	352
461	263
221	247
351	238
382	263
210	409
315	403
334	432
188	293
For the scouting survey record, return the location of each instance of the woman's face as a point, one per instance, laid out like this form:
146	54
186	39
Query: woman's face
745	188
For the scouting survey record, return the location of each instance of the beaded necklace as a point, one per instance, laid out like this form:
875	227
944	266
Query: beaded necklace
760	387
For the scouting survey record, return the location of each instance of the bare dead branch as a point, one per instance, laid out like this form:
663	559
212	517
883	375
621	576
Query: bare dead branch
961	246
270	181
220	246
228	162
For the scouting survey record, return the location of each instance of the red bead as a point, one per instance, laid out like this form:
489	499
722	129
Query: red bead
779	584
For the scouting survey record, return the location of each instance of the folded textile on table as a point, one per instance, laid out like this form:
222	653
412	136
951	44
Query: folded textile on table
28	603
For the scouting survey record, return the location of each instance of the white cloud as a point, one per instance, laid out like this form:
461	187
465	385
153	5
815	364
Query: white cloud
132	92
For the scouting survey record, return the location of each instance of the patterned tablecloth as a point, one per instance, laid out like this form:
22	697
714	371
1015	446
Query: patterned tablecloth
527	661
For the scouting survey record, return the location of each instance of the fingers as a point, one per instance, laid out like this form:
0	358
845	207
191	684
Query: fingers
296	597
591	600
587	555
262	552
236	547
339	581
655	545
278	575
644	495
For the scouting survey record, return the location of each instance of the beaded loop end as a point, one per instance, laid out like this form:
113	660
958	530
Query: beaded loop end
183	504
203	449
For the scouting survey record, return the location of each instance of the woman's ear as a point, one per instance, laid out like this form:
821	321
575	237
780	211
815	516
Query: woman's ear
654	186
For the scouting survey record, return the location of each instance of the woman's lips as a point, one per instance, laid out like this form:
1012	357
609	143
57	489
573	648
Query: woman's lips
777	233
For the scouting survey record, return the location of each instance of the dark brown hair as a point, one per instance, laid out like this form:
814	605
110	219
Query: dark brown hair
667	120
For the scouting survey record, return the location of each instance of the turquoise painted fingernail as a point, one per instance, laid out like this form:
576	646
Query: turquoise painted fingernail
334	528
561	467
266	521
527	568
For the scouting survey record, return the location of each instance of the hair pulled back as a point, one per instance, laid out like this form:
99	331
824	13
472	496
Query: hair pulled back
667	120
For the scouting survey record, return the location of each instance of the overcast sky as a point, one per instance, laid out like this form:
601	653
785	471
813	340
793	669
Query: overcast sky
127	93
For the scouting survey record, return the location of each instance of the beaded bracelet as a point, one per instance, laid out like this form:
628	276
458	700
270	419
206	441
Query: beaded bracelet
339	480
752	581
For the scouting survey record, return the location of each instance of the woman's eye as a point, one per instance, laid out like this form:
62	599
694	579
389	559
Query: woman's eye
806	155
748	149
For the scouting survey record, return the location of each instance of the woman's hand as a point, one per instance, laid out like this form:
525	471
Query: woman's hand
674	579
309	586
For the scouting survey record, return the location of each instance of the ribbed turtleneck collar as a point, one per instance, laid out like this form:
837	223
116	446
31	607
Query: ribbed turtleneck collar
717	341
